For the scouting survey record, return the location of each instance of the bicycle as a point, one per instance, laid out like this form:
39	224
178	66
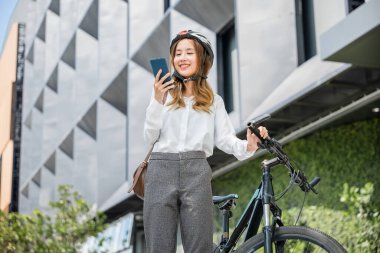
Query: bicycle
275	235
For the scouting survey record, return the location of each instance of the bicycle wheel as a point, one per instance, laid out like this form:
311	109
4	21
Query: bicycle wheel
297	240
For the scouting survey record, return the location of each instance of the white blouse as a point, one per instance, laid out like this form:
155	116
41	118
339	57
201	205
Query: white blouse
185	129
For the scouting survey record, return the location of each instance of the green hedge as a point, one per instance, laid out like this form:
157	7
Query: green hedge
348	153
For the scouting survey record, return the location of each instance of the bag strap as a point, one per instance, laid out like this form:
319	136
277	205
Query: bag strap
151	149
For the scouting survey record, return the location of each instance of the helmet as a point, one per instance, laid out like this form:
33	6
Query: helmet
189	34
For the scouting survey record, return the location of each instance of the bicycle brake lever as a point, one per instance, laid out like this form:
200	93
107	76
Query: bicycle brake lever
313	183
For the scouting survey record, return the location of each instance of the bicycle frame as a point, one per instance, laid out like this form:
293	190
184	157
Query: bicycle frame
260	205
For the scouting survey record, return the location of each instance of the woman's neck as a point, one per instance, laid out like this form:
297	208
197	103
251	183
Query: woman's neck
188	92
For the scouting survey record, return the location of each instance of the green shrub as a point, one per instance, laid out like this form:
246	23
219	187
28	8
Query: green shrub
73	222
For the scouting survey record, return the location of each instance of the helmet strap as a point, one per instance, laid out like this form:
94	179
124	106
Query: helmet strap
185	80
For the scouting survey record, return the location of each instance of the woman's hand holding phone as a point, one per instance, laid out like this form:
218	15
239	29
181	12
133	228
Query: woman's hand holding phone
161	87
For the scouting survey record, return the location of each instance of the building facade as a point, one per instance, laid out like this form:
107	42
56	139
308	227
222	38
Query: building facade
87	81
11	80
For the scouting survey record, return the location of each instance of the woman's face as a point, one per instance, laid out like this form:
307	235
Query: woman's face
185	58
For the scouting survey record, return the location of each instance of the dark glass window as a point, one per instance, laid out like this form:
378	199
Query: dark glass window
227	57
306	42
166	5
353	4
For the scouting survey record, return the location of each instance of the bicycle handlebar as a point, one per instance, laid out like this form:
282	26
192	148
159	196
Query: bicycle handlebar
274	147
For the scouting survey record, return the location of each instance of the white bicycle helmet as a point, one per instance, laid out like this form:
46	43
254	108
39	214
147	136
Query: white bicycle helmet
189	34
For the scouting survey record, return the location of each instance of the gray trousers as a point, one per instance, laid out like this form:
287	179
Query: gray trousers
178	188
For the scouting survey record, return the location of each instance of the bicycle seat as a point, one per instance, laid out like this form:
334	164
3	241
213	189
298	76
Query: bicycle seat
220	199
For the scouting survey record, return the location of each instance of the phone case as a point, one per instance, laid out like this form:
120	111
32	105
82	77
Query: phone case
160	63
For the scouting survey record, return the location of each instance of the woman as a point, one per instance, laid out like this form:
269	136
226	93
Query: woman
188	122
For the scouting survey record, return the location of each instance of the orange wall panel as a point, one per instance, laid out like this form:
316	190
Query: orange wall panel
5	115
6	176
8	63
9	57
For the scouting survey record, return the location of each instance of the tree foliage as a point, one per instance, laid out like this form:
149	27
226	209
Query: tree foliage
71	223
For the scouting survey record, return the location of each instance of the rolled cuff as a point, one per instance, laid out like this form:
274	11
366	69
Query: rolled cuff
244	153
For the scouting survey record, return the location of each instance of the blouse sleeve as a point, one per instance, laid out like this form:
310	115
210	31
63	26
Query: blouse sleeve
153	120
225	135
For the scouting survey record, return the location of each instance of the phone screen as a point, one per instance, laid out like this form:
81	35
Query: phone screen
160	63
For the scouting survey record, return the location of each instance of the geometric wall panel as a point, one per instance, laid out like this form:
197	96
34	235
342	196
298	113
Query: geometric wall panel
40	102
111	136
53	80
42	30
67	146
89	23
28	120
88	122
25	191
151	49
116	93
68	55
214	15
50	163
54	6
37	178
30	56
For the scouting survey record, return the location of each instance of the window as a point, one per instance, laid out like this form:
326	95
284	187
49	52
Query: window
166	5
227	64
305	26
353	4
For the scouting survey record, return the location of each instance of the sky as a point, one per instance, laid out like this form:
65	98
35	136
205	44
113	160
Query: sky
6	9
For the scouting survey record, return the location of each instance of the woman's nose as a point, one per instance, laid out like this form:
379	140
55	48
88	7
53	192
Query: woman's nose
182	57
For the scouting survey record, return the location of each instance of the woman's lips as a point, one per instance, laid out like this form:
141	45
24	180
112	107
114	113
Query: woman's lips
184	66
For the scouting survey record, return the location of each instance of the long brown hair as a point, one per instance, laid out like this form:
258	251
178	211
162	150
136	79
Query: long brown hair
203	93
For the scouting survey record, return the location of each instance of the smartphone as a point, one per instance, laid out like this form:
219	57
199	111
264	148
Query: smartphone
160	63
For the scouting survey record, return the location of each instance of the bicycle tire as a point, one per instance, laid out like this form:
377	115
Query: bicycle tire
302	234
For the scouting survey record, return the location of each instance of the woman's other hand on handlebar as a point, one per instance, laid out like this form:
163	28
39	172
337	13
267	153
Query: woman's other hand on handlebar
160	88
253	140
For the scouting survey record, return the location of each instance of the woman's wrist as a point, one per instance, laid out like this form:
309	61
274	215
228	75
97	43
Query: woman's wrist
251	147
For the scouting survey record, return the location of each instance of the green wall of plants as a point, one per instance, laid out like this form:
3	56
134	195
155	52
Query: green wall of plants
345	154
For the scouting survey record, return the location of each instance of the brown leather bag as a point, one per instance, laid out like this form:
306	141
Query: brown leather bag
139	177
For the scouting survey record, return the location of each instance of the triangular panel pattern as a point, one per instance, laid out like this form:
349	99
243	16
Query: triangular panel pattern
152	49
90	21
40	102
68	55
54	6
214	15
25	191
30	56
88	122
37	178
53	80
116	92
42	30
28	120
67	146
50	163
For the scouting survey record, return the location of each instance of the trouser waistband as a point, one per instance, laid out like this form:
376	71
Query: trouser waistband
177	156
